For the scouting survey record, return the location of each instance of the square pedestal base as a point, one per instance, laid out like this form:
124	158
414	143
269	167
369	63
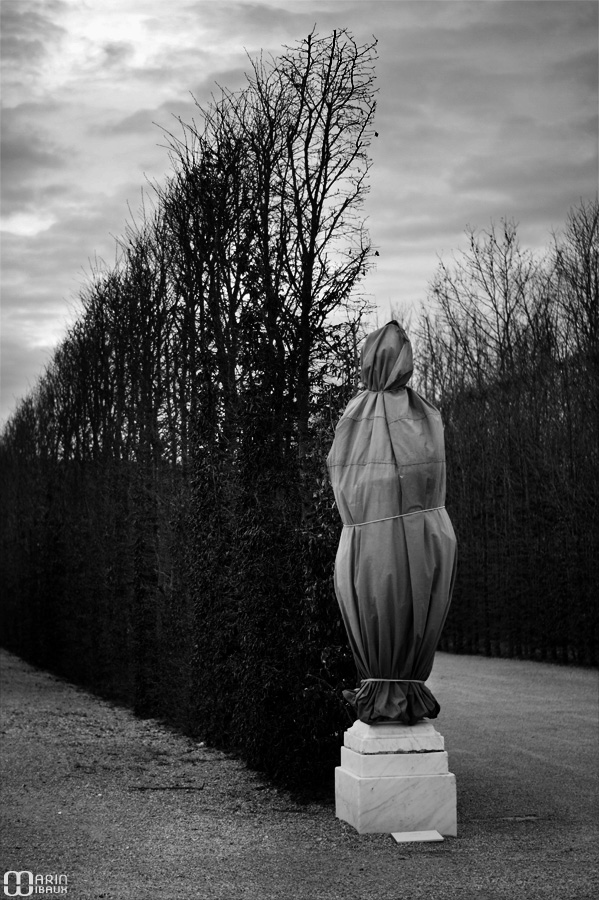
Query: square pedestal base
385	784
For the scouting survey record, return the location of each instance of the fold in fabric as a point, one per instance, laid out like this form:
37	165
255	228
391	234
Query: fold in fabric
390	701
396	560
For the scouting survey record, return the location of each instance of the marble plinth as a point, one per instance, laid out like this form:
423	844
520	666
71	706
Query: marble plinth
395	778
377	765
393	738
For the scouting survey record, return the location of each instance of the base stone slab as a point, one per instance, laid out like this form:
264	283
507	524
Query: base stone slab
393	738
394	778
411	837
377	765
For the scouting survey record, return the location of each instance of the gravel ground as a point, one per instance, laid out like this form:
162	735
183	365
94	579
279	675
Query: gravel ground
129	810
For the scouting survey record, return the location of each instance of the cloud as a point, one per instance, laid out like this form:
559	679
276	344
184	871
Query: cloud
484	109
32	162
137	123
149	119
29	29
522	183
580	69
25	149
30	35
27	223
248	24
117	54
477	119
43	276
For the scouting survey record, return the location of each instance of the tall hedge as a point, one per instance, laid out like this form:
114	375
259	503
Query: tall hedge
512	359
168	534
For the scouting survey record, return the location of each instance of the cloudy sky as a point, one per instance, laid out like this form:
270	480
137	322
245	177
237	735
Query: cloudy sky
486	109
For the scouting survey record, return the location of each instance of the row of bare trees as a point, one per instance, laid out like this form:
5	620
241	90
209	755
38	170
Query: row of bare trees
229	283
510	352
163	532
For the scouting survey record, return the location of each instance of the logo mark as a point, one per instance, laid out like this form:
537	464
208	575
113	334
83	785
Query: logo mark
19	886
24	884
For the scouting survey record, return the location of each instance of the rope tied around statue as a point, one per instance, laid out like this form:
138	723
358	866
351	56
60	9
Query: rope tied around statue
388	518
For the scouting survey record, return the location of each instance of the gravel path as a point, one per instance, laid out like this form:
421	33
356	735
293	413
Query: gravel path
129	810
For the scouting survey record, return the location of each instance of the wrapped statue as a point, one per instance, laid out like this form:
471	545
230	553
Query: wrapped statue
396	562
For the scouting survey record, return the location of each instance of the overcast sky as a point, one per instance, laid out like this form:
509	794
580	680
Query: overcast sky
486	109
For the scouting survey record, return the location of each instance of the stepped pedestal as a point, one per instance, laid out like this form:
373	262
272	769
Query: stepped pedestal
395	778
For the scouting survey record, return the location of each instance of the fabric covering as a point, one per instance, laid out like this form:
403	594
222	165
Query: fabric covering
393	578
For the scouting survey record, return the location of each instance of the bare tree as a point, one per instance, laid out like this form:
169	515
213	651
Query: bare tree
319	99
508	350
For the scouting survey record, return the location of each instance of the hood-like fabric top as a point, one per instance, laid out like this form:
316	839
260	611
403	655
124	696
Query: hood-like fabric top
386	359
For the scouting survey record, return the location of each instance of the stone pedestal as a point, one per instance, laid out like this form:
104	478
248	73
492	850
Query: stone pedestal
395	778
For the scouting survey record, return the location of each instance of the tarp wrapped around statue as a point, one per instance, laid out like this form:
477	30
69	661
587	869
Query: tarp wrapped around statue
396	561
